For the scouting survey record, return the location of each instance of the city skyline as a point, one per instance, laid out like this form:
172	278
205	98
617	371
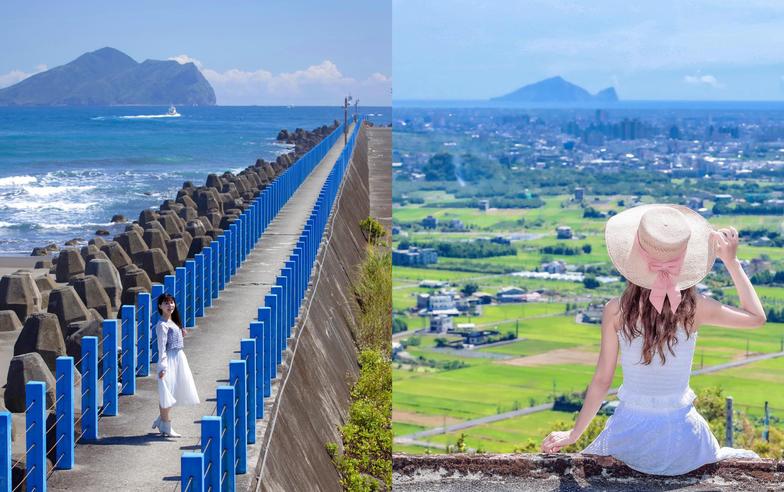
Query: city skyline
664	51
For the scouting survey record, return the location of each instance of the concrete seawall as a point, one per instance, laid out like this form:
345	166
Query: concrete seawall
322	364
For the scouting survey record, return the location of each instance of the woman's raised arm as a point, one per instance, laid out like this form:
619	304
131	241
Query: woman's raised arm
751	314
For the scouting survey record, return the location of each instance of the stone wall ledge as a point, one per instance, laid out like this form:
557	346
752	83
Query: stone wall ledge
567	472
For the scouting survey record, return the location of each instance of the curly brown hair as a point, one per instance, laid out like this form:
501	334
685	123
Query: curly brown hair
658	329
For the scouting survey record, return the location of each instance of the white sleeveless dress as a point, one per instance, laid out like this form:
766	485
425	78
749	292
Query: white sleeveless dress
656	429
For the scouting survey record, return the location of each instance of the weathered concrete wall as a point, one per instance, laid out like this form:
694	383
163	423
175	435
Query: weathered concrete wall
314	396
571	472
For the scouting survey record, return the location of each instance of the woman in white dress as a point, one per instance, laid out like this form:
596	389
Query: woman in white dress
663	251
175	381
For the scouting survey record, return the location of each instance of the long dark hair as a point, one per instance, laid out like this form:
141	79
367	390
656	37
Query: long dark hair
176	313
658	329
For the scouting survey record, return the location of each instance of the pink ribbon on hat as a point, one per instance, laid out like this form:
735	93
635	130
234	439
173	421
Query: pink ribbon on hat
664	285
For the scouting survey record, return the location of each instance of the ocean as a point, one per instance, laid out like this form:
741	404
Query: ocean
64	172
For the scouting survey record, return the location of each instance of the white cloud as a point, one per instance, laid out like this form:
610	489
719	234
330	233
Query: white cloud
183	59
16	76
321	84
708	80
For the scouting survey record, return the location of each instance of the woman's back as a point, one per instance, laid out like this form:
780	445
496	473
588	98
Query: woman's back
657	385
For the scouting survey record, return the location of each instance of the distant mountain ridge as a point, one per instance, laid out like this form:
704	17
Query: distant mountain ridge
556	89
109	77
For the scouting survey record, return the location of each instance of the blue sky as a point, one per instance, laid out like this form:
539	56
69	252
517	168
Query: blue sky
664	49
253	52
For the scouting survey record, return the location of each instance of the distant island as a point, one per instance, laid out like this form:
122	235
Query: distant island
557	90
108	77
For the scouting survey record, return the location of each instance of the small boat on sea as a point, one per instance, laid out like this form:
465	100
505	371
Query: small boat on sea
173	111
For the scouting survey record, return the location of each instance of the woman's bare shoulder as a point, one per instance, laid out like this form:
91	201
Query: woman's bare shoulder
702	303
612	312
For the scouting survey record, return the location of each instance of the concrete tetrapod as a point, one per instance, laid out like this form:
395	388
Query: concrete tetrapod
109	278
69	264
156	264
133	244
9	321
93	295
18	293
147	216
41	334
24	368
66	304
133	276
156	238
178	251
198	244
116	254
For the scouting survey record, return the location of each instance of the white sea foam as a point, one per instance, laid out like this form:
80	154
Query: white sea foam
7	224
65	227
47	191
17	180
148	116
21	204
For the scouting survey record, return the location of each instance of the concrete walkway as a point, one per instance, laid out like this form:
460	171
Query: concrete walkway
130	456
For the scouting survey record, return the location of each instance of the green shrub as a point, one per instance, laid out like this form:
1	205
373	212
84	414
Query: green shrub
366	459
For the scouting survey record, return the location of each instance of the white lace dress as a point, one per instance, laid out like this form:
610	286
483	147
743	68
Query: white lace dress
656	429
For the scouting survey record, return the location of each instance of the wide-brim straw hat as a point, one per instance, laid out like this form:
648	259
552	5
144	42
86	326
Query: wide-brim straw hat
664	231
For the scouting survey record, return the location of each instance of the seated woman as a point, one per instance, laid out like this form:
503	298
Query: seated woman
663	251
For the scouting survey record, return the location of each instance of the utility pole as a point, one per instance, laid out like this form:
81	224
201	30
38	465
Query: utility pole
728	431
345	120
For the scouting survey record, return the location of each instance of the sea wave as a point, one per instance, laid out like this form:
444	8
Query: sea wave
29	226
148	116
17	180
63	205
47	191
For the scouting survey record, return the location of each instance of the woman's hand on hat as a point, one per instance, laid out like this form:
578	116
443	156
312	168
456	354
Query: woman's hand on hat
557	440
726	241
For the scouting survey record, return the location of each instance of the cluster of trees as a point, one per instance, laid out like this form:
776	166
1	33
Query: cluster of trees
565	250
592	213
446	365
767	278
590	282
748	209
469	288
776	315
399	325
467	249
442	167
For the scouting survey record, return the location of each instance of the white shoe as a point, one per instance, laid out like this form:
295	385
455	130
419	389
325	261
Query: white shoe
167	430
157	423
